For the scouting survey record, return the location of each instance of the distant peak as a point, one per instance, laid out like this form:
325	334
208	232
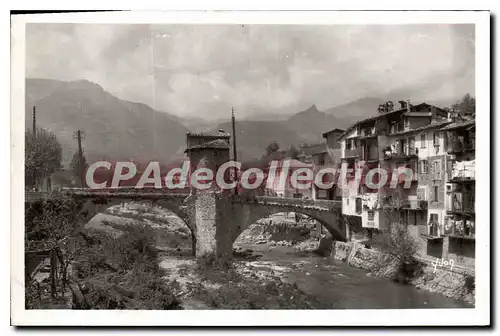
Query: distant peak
312	108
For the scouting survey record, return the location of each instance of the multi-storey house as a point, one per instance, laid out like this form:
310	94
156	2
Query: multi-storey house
402	143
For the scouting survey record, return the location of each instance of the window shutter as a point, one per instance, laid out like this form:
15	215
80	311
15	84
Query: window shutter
437	170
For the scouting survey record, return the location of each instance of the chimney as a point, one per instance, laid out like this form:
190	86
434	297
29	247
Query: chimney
408	105
402	103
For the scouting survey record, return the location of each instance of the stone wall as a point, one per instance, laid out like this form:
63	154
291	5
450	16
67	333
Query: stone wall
461	251
457	283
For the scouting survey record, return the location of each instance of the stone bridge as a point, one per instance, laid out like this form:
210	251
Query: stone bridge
215	219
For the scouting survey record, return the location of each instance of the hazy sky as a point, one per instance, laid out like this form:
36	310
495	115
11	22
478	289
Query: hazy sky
203	70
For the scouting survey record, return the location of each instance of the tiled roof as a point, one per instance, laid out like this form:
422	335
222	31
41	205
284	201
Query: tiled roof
210	134
379	116
216	144
333	130
422	128
314	149
462	124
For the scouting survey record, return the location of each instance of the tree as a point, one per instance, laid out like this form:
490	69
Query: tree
272	148
466	106
398	243
76	168
43	154
293	152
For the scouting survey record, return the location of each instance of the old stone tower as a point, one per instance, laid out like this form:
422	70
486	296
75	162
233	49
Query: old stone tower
210	151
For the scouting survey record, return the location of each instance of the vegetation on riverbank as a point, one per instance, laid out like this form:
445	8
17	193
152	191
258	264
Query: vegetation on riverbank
239	285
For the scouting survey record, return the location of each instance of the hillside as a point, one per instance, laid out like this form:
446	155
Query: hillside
303	127
254	136
312	123
357	109
114	128
118	129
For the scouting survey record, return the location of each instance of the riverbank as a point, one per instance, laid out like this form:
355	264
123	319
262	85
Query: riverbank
457	283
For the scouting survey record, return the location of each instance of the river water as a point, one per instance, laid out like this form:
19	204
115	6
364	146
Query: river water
346	287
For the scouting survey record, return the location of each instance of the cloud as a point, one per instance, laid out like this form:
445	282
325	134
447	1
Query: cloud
202	70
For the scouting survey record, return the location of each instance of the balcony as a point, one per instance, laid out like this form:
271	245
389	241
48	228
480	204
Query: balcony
463	171
462	146
462	202
460	229
415	205
405	153
409	203
353	153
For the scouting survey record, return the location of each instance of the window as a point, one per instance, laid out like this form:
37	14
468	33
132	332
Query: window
348	144
371	215
434	224
424	167
421	194
437	167
436	139
358	204
423	140
436	194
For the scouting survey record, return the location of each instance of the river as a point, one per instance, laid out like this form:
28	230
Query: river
334	282
346	287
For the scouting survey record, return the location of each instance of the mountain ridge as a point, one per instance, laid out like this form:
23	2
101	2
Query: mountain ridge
119	129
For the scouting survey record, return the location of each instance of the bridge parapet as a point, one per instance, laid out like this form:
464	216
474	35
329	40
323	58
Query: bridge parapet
320	205
123	193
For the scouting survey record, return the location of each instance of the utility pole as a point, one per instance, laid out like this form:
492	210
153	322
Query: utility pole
81	174
235	158
34	144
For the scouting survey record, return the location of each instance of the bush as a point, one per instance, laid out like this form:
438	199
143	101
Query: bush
123	272
399	244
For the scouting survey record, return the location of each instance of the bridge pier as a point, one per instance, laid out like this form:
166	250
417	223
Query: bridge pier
213	225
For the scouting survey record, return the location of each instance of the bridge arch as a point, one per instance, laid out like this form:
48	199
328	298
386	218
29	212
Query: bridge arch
249	214
90	207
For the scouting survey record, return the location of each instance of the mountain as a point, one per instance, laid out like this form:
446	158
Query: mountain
113	128
357	109
252	137
312	123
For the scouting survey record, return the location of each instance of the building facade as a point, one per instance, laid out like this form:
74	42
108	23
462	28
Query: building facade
428	155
